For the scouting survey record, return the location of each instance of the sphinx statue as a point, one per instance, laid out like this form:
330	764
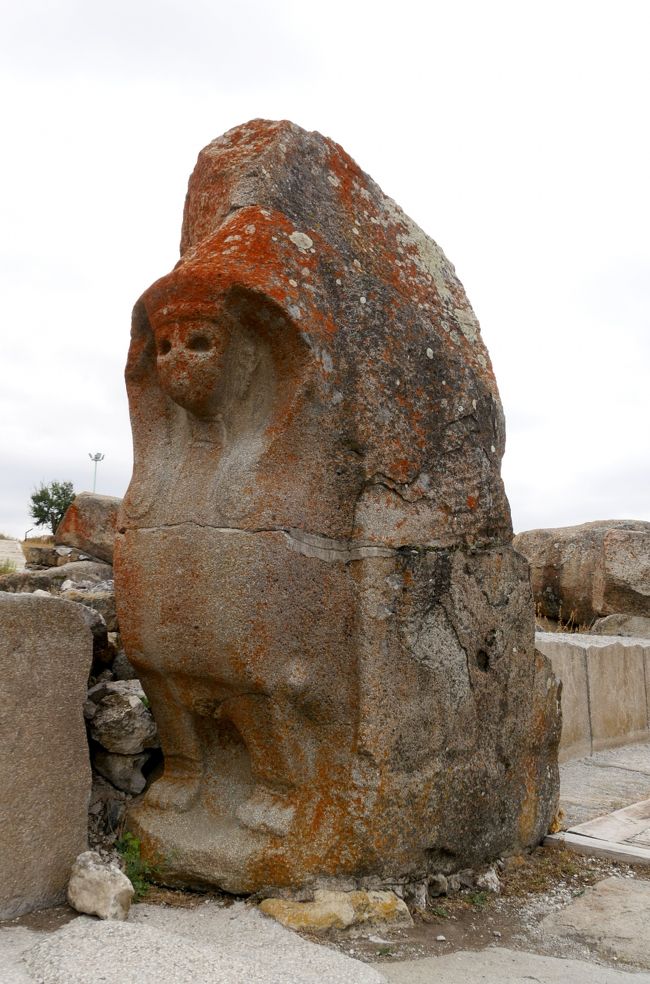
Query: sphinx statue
314	572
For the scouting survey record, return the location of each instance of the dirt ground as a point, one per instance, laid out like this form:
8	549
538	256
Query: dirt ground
532	886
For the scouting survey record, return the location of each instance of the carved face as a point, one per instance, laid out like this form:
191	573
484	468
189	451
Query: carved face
190	357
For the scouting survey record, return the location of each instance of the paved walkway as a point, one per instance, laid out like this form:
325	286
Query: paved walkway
11	550
602	783
606	802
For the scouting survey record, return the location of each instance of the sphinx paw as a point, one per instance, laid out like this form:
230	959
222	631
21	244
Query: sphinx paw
267	812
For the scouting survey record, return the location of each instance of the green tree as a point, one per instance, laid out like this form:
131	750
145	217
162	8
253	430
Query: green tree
49	503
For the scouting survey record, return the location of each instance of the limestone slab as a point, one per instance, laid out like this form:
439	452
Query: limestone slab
590	791
621	825
605	689
497	965
45	658
617	694
569	664
612	918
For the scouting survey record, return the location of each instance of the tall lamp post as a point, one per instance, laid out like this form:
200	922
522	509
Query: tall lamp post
97	457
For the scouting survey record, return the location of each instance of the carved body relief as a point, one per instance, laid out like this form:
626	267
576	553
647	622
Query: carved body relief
314	572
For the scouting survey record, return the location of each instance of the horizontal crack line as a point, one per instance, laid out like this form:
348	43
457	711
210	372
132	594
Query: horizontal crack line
325	547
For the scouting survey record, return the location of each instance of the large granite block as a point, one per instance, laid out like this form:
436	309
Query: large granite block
45	658
314	572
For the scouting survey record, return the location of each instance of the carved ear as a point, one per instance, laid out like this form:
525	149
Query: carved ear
141	360
265	319
258	312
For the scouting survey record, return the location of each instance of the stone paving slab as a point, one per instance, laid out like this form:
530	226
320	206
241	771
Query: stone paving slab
630	825
502	966
600	784
612	919
12	551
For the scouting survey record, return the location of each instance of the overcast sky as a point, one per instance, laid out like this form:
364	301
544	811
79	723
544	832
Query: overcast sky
515	133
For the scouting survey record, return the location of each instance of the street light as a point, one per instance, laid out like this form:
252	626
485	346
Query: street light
97	457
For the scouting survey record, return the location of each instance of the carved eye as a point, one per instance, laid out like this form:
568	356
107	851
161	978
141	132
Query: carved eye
199	343
164	346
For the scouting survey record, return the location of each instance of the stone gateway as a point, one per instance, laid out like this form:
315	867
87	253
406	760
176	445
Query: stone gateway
314	572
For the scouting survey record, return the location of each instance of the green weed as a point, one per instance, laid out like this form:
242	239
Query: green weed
137	870
479	899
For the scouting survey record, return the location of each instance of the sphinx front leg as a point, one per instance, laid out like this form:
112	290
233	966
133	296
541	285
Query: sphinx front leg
276	743
179	786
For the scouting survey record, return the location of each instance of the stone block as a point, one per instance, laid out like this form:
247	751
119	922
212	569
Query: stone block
89	525
605	684
569	664
623	625
617	692
580	573
45	658
339	910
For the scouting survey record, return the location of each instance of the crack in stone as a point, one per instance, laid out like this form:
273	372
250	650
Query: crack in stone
324	547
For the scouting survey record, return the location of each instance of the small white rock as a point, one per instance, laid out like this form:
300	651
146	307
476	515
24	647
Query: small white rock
489	881
429	353
99	888
441	939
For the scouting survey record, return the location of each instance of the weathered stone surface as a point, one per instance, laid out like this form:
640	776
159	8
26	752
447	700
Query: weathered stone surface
121	668
314	574
123	771
123	724
497	965
579	573
89	524
99	888
623	625
612	918
45	657
53	578
40	555
106	811
605	689
100	601
339	910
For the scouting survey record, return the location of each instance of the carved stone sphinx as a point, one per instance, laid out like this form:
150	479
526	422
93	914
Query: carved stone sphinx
314	569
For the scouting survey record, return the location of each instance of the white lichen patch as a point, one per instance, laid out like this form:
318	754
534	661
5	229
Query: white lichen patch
250	229
362	300
295	312
301	240
333	180
294	283
468	323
